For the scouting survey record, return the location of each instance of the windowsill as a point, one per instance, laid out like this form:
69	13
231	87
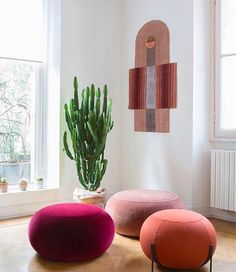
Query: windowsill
14	199
222	136
223	139
13	189
16	203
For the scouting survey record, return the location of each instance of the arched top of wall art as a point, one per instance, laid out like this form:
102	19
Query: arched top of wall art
154	34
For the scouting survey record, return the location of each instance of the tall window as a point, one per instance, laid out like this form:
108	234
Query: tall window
225	68
21	66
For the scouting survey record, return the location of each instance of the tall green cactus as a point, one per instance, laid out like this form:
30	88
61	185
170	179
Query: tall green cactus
88	126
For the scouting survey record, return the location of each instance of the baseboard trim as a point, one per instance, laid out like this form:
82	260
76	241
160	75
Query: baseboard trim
216	213
223	214
25	209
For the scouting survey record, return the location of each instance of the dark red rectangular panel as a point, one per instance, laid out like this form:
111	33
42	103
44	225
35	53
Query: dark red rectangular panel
137	88
166	86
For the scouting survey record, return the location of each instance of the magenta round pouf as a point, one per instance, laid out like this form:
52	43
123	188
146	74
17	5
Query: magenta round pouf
130	208
70	232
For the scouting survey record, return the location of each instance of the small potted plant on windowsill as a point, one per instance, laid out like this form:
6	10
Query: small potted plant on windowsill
39	182
3	185
89	123
23	183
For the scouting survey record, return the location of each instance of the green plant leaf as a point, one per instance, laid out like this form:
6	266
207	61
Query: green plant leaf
68	153
68	118
104	109
89	123
76	99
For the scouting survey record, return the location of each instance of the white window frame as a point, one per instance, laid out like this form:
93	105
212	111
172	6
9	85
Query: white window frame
216	132
16	203
39	137
38	155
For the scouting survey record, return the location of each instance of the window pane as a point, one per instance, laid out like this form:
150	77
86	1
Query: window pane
228	93
21	28
17	84
228	26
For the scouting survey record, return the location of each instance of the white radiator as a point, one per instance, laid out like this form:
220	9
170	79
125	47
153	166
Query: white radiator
223	179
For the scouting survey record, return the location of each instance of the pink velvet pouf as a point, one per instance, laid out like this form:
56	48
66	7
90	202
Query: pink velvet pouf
130	208
70	232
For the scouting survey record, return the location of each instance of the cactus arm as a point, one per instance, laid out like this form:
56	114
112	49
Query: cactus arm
98	177
81	178
99	150
97	107
92	95
105	99
98	94
68	153
75	143
109	106
104	166
84	103
92	126
72	110
85	172
76	99
87	92
111	126
92	131
68	118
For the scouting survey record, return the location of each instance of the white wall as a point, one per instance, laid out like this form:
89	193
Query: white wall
98	40
158	160
201	103
201	113
178	161
91	33
90	49
16	203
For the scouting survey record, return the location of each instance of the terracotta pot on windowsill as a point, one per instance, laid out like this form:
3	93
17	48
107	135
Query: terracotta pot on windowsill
3	186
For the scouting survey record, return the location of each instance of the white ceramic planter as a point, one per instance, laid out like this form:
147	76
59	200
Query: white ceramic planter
39	184
97	197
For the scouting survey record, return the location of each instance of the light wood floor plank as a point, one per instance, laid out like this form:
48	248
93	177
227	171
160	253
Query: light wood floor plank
125	254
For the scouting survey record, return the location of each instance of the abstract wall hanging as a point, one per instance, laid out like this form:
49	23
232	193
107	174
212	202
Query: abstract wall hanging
153	81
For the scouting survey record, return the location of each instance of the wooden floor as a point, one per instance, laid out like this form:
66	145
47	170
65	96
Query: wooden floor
125	254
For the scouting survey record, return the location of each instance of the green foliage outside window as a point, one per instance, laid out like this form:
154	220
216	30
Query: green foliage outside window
16	79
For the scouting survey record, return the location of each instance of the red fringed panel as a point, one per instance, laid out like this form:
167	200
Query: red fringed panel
137	88
166	86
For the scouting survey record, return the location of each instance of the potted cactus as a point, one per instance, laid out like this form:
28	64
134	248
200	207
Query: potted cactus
89	122
3	185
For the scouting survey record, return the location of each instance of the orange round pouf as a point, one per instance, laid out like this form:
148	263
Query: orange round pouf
181	238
